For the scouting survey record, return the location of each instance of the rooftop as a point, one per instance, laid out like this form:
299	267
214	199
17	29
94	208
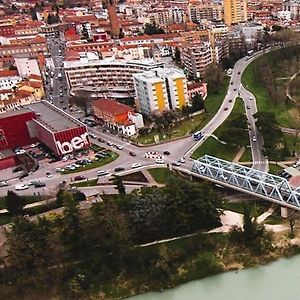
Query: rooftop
53	118
111	106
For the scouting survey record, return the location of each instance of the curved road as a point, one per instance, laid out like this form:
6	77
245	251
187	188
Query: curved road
179	148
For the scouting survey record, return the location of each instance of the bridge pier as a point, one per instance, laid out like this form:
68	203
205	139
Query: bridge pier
285	212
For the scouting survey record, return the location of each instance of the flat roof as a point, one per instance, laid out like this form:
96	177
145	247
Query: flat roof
53	118
16	112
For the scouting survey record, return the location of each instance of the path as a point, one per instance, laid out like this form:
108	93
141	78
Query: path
287	91
239	155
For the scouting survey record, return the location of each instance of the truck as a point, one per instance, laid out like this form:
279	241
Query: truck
198	135
59	76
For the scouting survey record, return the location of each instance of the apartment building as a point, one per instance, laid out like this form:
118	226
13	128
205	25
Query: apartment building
160	89
111	78
235	11
196	57
205	11
292	6
161	16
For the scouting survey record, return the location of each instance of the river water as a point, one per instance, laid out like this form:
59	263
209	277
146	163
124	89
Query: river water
277	281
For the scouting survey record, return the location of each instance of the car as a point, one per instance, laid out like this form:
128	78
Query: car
48	174
119	147
102	173
230	101
132	153
181	160
39	184
79	177
34	145
22	151
160	161
119	169
234	90
250	98
3	183
59	170
248	107
36	167
65	158
231	82
61	101
93	136
20	187
166	153
101	140
239	73
175	164
23	175
109	143
136	165
254	138
226	108
64	108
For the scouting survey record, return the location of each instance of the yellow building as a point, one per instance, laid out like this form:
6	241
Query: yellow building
160	89
235	11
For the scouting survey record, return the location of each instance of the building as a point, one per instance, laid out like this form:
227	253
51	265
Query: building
292	6
235	11
196	57
117	116
113	18
110	78
9	79
27	66
205	11
159	90
45	123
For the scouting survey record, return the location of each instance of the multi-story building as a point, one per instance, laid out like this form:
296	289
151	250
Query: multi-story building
160	16
205	11
235	11
196	57
111	78
159	90
9	79
27	66
293	6
178	15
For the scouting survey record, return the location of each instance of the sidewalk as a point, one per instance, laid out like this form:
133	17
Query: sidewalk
239	155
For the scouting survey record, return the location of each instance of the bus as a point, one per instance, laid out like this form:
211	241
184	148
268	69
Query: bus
198	135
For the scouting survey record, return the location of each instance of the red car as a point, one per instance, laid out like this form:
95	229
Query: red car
79	177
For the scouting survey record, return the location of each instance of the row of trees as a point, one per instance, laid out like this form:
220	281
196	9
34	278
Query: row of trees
65	251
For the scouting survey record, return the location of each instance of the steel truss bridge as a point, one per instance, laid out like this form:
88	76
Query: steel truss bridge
257	183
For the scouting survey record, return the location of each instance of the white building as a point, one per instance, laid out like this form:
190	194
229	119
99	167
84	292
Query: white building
284	15
27	66
9	79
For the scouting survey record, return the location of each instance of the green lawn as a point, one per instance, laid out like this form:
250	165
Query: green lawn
213	147
285	112
160	175
186	127
274	169
293	143
28	199
87	183
95	164
258	207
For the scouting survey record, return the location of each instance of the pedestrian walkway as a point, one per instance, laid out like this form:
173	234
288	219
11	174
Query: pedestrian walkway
239	154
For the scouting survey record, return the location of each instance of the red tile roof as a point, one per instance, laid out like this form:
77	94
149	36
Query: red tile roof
111	106
7	73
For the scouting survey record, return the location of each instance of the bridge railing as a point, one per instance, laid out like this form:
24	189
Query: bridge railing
251	180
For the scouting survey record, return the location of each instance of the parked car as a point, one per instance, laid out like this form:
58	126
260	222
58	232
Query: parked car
166	153
3	183
110	143
119	169
93	136
20	187
175	164
119	147
101	140
39	184
48	174
79	177
181	160
132	153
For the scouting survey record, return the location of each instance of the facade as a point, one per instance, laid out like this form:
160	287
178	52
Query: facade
205	11
111	78
117	116
45	123
27	66
159	90
196	57
9	79
235	11
293	6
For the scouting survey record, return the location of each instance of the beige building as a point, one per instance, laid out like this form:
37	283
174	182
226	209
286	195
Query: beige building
235	11
159	90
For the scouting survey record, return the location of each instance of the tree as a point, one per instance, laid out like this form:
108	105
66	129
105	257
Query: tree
197	103
60	197
214	76
152	28
118	182
79	196
276	27
249	226
14	203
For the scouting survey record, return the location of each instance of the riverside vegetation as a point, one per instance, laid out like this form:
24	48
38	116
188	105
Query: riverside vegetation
103	253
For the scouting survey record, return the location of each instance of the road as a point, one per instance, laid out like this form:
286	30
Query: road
178	149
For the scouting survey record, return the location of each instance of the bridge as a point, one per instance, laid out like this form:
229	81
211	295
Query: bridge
257	183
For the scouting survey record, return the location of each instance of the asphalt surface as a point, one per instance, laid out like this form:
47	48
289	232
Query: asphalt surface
178	148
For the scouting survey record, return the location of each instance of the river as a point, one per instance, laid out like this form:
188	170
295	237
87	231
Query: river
275	281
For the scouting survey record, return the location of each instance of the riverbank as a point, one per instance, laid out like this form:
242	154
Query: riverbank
197	257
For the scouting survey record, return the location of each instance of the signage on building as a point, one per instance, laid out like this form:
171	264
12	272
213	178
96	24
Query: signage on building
77	143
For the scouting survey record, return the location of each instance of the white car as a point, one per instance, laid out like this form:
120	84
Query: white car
3	183
34	145
110	143
20	187
65	158
160	161
181	160
22	151
93	136
49	175
136	165
254	138
119	147
102	173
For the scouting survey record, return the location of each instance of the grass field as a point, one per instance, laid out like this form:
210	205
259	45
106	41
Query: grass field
213	147
160	175
87	183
